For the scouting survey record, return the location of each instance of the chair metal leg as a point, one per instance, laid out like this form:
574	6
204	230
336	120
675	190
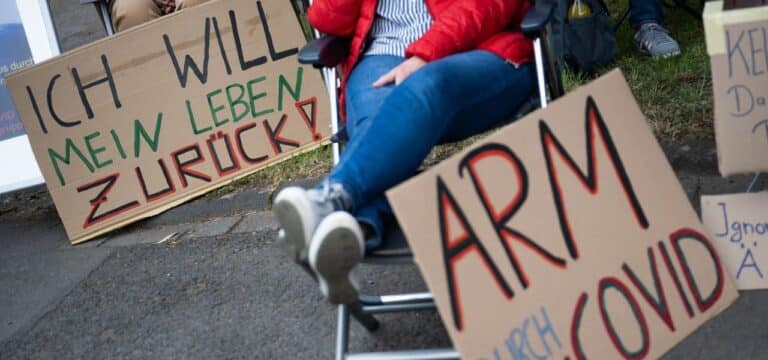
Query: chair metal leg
342	332
755	181
551	68
103	9
363	312
621	20
397	303
537	52
331	83
363	317
426	354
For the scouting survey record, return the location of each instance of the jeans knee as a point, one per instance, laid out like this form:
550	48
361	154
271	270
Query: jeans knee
427	80
424	88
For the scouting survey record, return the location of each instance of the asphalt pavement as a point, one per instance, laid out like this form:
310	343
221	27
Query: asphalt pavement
207	280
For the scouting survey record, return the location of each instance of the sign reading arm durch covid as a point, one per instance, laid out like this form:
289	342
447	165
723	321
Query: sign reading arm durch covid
565	235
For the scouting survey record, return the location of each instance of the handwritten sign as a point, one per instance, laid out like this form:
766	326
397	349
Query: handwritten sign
129	126
739	224
564	235
737	43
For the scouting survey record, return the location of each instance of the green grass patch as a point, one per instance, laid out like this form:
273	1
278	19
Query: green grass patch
675	94
311	164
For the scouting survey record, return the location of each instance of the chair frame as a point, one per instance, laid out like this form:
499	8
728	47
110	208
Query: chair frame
102	6
325	53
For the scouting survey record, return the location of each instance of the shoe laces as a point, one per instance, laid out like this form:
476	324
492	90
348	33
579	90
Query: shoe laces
653	34
334	194
326	193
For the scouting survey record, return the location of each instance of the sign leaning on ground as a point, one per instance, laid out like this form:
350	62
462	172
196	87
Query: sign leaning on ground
132	125
737	43
739	224
564	235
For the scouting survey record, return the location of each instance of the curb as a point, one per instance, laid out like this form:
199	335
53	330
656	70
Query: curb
691	158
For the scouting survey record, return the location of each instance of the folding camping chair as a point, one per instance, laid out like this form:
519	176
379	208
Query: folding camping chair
326	53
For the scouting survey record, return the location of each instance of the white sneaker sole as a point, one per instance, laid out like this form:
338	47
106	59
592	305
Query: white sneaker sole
288	207
336	248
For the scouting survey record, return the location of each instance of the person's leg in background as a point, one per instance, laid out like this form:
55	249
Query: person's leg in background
651	37
129	13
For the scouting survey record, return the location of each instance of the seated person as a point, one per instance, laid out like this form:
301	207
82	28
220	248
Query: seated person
129	13
651	37
419	72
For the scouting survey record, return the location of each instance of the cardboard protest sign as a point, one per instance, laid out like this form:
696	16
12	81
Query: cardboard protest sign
564	235
129	126
739	225
737	43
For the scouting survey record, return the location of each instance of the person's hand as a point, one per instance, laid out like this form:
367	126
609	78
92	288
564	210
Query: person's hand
400	72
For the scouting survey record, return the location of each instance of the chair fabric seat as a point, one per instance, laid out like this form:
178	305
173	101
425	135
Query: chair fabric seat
394	248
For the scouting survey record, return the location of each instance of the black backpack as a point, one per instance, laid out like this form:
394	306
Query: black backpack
586	43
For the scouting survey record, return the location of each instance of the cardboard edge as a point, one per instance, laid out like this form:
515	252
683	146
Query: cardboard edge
713	27
728	170
715	20
723	306
65	55
140	27
162	208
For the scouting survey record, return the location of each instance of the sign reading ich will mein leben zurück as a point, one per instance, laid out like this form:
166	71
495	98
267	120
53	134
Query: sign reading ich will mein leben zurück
134	124
564	235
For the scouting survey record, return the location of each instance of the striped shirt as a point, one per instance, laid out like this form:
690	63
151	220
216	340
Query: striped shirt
398	23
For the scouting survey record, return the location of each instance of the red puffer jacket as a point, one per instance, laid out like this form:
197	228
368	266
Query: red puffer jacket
458	25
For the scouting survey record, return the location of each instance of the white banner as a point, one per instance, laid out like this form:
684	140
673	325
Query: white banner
26	37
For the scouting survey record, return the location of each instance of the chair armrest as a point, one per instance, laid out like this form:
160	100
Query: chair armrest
327	51
536	19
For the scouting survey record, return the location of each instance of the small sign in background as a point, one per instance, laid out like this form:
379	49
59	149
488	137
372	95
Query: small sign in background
738	224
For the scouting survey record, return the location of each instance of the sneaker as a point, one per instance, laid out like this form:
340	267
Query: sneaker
653	39
336	248
299	211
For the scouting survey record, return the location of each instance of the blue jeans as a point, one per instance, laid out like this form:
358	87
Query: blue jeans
645	11
393	128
